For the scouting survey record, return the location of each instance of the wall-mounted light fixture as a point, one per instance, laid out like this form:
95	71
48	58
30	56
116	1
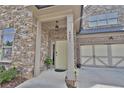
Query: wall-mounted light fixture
111	38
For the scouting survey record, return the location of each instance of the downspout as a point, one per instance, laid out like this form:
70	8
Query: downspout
81	14
78	42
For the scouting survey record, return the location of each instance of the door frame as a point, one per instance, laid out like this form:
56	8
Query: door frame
53	44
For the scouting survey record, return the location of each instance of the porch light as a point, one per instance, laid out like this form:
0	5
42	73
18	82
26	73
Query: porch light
111	38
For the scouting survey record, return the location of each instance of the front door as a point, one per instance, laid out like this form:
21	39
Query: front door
61	55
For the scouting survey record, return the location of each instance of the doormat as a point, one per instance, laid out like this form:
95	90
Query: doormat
60	70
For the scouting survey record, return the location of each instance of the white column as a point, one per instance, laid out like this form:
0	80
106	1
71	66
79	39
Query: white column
37	50
70	48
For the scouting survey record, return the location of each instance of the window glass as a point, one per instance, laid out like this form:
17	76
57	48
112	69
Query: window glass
101	17
112	21
112	15
0	53
8	39
93	24
7	53
93	18
103	22
8	30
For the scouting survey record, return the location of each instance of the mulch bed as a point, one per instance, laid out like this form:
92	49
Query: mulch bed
13	83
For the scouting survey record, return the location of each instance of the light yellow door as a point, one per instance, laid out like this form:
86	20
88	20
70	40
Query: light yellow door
61	55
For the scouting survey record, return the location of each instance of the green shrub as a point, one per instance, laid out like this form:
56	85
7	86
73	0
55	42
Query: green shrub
8	75
48	61
2	68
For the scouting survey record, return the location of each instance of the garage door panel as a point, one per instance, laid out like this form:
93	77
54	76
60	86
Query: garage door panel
118	62
115	61
101	61
121	64
87	61
84	60
86	50
100	50
103	55
118	50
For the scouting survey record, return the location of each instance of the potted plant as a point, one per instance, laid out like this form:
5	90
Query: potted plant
48	61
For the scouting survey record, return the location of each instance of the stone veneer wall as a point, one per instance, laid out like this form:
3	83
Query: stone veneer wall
44	46
92	10
49	36
21	20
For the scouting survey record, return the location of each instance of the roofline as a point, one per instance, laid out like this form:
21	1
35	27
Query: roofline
42	6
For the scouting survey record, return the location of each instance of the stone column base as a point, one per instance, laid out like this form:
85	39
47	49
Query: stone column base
70	83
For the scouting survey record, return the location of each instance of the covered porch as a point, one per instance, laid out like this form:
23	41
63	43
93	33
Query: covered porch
56	28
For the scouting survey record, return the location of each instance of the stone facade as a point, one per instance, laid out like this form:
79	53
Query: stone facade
21	19
25	24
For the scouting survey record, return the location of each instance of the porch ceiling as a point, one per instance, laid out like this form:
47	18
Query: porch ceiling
50	25
58	12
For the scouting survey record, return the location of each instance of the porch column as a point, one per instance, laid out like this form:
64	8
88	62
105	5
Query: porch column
70	51
37	50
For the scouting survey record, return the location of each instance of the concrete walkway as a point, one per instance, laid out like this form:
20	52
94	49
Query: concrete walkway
47	79
91	77
88	77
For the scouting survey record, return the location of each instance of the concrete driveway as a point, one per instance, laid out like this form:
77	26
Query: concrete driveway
100	77
88	77
47	79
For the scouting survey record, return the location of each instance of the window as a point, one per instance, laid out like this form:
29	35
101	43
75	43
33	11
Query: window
112	15
93	24
102	22
7	38
103	19
112	21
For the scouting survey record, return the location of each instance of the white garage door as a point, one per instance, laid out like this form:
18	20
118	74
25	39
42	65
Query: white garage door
102	55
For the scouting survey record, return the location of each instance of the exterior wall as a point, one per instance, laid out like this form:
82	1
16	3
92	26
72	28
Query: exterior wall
92	10
102	38
21	20
58	35
44	46
50	36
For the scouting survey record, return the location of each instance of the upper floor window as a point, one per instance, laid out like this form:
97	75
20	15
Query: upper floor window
103	19
7	38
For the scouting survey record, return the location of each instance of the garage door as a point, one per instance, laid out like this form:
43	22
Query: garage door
102	55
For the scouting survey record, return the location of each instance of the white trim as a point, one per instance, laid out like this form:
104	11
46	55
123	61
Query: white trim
5	61
37	50
109	50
